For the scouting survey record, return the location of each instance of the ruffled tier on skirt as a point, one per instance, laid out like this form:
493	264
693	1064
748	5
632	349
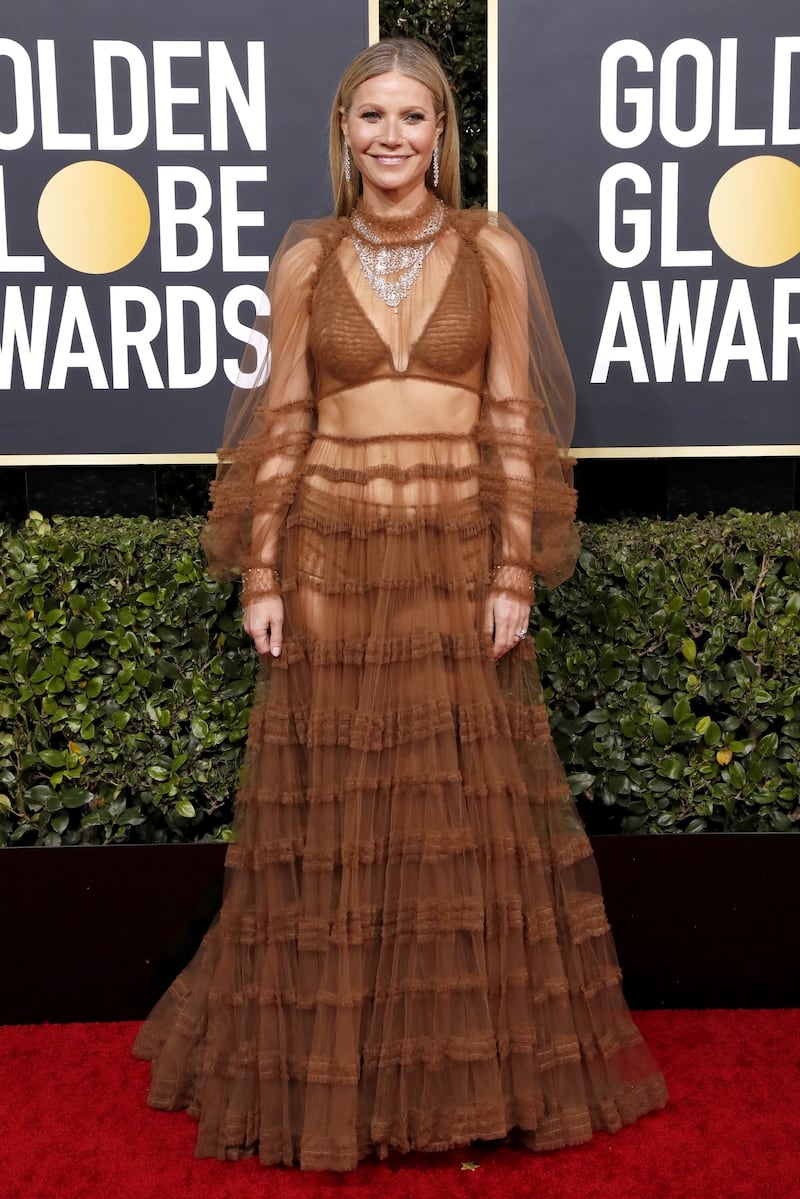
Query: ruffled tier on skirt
412	951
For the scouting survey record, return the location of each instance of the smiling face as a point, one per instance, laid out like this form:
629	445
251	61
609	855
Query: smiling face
392	127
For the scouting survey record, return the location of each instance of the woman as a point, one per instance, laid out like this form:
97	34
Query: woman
412	950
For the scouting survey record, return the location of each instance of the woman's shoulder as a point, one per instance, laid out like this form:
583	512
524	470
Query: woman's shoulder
494	236
305	244
310	233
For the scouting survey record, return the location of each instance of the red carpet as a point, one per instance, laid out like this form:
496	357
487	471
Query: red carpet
75	1126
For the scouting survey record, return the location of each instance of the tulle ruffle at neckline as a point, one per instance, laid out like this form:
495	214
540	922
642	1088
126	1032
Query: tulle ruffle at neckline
394	230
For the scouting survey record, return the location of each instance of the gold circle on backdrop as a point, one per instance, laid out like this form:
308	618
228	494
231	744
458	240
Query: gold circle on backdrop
754	211
94	217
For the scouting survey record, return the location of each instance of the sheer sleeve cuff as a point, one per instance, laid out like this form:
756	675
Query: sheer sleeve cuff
514	578
259	582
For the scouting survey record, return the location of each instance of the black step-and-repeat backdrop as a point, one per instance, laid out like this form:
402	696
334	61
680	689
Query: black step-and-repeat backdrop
652	153
151	156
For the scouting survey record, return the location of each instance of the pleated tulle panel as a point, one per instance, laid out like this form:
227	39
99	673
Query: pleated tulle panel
412	950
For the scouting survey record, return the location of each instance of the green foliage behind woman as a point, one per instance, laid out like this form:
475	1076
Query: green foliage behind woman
669	661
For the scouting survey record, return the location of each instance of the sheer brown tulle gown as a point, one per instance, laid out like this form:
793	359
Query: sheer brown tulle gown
412	950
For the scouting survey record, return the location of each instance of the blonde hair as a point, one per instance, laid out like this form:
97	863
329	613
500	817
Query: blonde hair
417	61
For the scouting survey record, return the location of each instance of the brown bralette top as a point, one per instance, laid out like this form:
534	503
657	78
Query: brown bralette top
448	303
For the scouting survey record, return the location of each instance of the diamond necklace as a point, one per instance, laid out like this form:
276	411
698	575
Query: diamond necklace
403	259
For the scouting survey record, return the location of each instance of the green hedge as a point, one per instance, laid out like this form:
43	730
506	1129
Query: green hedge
670	662
124	685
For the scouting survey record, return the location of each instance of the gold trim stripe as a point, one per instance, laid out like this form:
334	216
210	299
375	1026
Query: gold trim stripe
492	109
590	452
373	25
167	459
688	451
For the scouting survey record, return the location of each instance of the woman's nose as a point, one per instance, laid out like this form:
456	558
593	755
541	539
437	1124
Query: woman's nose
391	134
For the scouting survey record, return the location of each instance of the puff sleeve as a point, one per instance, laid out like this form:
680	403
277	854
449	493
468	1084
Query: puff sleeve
270	421
527	419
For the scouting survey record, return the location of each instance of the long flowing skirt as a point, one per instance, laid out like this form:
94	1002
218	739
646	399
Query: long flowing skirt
412	950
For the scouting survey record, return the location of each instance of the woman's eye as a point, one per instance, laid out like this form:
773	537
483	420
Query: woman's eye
371	115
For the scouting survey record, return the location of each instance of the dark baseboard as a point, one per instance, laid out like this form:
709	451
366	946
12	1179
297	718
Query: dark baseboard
99	933
607	488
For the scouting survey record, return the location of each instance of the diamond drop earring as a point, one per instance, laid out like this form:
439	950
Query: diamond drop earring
436	165
347	161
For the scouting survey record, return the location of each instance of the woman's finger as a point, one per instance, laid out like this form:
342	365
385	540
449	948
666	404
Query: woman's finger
263	621
260	639
510	618
502	632
275	641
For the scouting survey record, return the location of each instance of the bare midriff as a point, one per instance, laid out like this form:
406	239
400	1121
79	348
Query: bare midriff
396	406
402	442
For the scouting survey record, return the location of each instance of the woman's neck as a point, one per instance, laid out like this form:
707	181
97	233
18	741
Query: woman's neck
393	204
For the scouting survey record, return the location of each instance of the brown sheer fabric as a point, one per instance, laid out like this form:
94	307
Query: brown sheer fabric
412	950
473	352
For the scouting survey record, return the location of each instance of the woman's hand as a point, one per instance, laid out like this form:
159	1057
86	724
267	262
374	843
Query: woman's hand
506	616
263	621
